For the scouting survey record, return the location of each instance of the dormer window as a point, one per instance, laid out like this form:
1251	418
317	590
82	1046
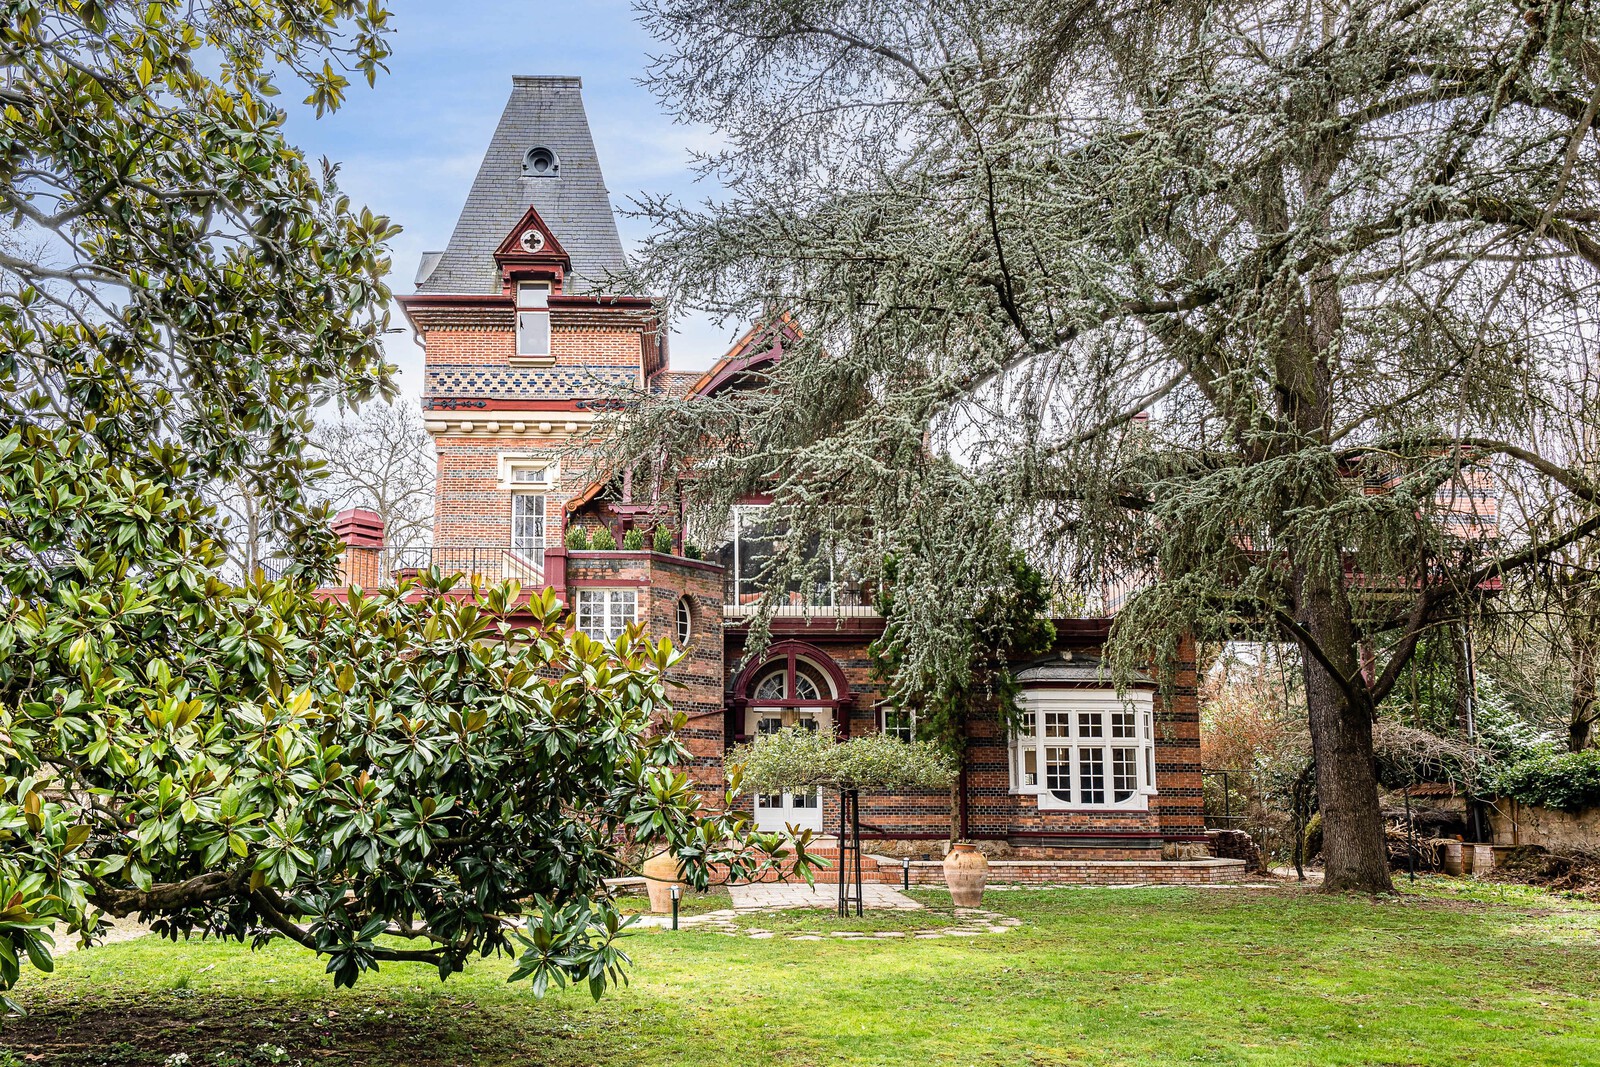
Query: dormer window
533	320
540	162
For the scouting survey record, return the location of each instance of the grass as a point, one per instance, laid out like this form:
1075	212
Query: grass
1456	973
691	903
938	915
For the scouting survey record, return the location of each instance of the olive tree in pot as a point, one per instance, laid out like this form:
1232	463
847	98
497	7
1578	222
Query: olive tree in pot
805	759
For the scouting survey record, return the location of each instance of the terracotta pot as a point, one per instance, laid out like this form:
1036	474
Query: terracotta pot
966	872
663	871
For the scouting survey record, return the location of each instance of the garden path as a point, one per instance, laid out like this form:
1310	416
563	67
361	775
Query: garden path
750	900
764	896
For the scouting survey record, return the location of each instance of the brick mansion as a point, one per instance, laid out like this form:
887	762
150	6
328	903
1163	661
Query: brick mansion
528	346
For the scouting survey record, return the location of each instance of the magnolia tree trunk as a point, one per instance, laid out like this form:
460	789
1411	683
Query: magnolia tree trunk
1353	848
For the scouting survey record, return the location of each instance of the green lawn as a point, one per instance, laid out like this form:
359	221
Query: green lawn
1457	974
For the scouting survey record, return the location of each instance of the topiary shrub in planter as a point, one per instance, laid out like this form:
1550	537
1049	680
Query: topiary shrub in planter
692	552
633	541
662	541
603	540
578	538
877	763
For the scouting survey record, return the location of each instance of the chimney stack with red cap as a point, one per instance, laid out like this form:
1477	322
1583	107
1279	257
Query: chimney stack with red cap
362	533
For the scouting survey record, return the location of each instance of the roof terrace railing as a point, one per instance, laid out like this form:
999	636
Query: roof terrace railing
376	566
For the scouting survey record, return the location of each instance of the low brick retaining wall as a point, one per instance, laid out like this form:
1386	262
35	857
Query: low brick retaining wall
1085	872
886	870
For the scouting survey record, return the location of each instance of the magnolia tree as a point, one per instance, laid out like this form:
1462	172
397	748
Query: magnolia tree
1229	314
399	777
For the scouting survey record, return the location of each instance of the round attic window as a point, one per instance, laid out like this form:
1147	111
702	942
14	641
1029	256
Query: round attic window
532	241
540	162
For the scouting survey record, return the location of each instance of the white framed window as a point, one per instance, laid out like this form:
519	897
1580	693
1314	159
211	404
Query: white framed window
527	526
604	613
900	723
533	320
1084	748
685	621
527	471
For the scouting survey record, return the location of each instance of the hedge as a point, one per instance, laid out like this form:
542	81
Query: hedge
1566	781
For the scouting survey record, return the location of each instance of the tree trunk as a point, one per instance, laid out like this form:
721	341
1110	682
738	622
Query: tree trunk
1581	722
1354	855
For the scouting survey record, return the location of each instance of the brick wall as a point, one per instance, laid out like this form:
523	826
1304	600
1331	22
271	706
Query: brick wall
1179	805
1085	871
993	812
472	507
581	346
661	582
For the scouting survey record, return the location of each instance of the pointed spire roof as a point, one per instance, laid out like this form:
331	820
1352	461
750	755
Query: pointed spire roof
543	112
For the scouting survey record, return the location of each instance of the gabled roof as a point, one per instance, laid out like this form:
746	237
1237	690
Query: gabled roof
761	344
545	112
513	248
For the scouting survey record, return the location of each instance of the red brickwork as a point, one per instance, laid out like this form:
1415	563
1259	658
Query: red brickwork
1081	870
993	811
472	347
569	346
1179	802
1087	871
472	506
661	582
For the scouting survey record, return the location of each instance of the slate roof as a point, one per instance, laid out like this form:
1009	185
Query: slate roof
544	111
1075	667
675	383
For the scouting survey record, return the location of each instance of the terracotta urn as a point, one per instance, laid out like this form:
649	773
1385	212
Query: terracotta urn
663	871
966	872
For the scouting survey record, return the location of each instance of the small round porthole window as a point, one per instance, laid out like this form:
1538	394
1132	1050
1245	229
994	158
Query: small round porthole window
685	622
540	162
532	241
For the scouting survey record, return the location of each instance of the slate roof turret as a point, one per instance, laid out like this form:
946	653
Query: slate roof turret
547	112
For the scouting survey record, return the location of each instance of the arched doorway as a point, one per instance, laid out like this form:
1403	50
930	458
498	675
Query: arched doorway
794	687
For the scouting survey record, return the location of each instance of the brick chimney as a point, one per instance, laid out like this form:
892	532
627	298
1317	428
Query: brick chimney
362	533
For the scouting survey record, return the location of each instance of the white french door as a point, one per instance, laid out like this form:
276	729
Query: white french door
802	808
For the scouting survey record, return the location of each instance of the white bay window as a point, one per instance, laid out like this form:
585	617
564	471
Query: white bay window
1084	748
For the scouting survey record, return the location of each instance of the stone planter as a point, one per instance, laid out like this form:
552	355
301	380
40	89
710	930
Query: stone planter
662	871
966	872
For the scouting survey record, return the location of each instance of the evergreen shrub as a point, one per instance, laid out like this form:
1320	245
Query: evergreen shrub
1565	781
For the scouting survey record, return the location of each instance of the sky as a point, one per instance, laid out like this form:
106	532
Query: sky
410	147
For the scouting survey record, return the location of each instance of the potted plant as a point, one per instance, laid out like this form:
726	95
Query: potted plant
603	540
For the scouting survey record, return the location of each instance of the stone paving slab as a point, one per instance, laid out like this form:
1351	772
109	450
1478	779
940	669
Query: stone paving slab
764	896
